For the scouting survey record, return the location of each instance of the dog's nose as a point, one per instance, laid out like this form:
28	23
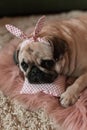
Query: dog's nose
34	75
34	70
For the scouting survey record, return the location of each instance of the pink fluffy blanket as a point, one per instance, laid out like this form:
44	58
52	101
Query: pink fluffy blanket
11	82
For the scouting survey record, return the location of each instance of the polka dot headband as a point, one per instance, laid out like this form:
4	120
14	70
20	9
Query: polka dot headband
20	34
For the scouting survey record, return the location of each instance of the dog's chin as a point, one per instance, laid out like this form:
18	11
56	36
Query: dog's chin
36	76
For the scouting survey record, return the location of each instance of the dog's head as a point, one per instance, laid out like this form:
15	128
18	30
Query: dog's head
41	62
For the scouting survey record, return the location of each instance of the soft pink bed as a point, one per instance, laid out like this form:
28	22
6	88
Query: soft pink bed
11	82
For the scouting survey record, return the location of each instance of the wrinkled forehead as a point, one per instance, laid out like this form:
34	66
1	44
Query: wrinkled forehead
38	47
25	43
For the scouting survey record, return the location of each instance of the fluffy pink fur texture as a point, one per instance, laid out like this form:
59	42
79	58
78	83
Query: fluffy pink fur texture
11	81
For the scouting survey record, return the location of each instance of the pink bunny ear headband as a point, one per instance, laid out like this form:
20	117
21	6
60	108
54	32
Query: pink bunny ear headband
20	34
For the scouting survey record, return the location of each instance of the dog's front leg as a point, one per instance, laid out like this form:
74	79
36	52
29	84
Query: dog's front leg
71	95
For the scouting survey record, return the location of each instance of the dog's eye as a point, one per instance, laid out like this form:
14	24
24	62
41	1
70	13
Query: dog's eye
47	63
24	65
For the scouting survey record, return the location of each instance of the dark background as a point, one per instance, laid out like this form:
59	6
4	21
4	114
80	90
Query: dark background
26	7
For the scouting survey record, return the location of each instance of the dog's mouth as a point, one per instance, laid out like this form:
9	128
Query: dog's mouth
37	76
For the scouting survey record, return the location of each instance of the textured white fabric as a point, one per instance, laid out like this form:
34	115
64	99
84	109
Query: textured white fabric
54	89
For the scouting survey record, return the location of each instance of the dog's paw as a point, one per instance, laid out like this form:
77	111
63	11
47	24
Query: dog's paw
68	98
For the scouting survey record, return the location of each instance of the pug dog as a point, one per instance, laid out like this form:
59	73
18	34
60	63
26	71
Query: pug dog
62	49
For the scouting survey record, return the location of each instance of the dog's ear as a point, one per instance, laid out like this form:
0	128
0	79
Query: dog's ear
15	56
59	47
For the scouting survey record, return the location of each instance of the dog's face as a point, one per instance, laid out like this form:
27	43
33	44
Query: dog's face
41	62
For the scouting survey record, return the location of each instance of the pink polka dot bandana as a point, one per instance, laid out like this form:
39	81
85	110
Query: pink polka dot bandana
55	89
